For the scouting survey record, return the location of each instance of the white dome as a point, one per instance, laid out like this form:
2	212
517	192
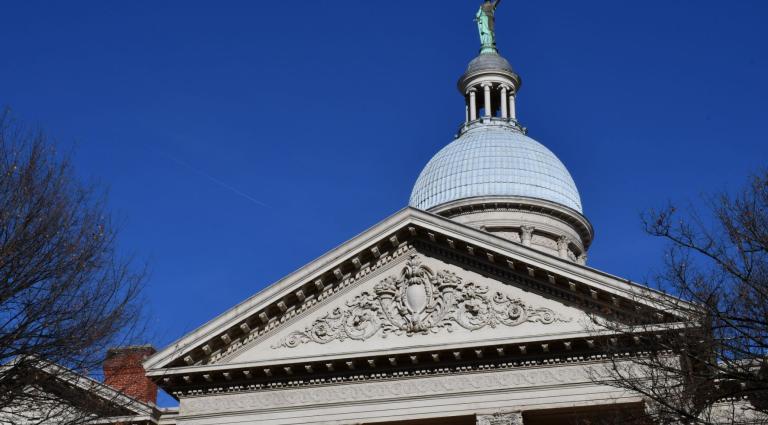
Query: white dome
493	160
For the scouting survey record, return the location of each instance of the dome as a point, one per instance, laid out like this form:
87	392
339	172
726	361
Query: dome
490	160
488	62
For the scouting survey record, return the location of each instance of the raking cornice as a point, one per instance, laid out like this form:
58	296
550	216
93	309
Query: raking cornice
372	250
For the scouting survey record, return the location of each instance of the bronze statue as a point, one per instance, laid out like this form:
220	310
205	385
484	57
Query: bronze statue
486	24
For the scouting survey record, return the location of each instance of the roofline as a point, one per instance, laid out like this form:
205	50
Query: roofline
593	277
91	385
263	296
546	261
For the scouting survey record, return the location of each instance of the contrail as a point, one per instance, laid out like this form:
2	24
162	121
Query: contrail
215	180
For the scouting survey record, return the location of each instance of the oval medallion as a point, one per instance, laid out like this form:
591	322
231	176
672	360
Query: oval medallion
416	298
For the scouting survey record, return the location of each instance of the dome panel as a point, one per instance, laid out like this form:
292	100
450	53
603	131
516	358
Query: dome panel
494	161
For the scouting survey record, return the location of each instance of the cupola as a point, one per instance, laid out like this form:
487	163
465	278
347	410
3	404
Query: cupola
496	178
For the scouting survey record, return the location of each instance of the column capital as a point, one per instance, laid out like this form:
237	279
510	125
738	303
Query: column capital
500	418
504	87
527	231
471	90
486	84
526	235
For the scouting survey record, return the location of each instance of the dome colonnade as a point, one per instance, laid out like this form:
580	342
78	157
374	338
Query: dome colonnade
491	77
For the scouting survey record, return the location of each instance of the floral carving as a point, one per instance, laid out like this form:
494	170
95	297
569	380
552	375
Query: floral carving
515	418
419	301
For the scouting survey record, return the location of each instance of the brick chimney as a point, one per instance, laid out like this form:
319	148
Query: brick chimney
124	372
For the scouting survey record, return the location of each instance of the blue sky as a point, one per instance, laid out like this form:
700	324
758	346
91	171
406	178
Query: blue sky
239	140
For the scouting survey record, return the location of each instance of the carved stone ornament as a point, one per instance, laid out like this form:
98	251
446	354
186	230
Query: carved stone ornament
419	301
514	418
375	392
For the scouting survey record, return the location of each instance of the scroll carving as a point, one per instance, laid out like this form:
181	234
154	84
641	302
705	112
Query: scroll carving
500	418
419	301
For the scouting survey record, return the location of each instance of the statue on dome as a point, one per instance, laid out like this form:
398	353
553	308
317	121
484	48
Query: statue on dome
486	21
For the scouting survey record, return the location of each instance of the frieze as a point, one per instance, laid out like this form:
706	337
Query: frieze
500	418
366	392
419	301
544	241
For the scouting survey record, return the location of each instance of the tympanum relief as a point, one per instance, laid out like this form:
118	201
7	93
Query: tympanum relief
419	301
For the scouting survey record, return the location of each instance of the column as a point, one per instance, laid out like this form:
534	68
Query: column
511	418
472	104
504	102
466	113
487	89
512	113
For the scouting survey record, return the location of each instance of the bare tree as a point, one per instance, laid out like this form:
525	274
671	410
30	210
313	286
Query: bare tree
707	361
65	292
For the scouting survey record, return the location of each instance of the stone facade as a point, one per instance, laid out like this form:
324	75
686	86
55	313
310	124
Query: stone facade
471	306
420	318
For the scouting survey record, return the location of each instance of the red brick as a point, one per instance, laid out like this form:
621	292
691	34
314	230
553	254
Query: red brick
124	372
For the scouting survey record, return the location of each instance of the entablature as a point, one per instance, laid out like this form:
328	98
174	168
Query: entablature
520	355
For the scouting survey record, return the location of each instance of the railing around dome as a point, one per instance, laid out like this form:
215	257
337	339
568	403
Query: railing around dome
492	121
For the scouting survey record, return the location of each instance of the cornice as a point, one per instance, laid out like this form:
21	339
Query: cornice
302	291
542	207
397	367
268	308
497	76
310	305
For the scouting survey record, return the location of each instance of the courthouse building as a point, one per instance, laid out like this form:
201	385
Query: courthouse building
472	305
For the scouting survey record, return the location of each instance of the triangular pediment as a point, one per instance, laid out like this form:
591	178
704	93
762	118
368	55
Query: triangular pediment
419	303
294	320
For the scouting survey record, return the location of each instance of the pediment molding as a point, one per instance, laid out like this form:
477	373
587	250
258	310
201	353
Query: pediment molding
309	288
501	357
311	303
